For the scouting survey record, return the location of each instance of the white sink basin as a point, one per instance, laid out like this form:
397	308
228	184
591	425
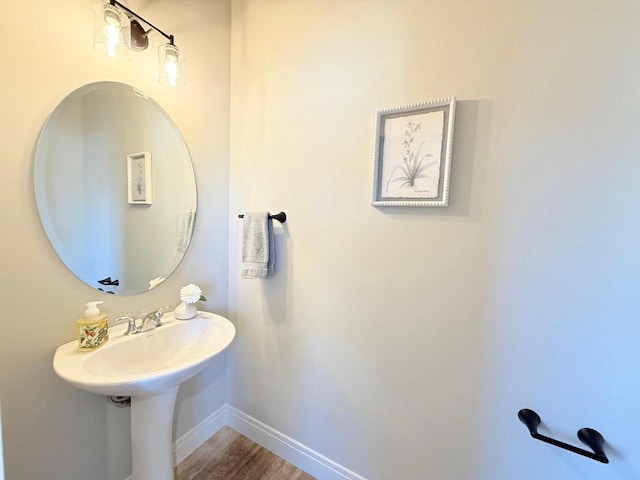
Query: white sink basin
149	367
147	362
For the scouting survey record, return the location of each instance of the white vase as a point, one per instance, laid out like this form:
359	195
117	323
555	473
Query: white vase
185	311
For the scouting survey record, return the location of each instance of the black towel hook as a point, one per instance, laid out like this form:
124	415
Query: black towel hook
281	217
588	436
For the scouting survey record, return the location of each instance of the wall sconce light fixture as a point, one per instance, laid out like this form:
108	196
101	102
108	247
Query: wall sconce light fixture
117	30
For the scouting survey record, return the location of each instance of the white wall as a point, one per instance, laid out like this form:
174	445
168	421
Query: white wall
402	342
51	430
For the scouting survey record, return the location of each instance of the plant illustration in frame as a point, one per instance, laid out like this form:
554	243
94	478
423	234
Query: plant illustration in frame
138	183
413	155
139	179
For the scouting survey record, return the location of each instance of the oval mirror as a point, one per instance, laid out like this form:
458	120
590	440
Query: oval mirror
115	188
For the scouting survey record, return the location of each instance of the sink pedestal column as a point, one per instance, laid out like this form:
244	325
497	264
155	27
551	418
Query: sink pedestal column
152	435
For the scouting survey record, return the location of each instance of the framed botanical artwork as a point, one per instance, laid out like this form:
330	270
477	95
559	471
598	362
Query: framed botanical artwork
412	160
139	179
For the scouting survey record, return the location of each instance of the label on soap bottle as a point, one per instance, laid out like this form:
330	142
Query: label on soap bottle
92	334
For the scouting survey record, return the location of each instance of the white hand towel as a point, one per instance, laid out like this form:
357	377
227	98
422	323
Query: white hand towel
258	246
184	229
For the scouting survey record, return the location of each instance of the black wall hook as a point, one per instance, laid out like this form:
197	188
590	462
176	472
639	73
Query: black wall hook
588	436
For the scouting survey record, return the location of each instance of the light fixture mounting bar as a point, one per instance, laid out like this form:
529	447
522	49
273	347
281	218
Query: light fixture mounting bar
131	12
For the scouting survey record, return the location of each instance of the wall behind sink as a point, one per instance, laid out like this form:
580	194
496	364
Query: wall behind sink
52	430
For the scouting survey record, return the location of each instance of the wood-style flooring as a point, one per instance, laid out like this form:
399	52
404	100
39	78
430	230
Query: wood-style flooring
229	455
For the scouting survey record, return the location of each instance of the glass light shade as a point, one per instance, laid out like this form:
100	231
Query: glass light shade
171	66
111	32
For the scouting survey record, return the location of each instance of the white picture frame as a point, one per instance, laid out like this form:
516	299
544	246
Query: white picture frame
412	159
139	179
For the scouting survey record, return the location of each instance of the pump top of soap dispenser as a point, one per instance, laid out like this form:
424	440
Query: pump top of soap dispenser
92	310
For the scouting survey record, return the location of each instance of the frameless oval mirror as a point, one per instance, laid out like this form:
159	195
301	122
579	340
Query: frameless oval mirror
115	188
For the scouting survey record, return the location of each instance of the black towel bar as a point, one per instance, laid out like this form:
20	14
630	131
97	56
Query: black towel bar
281	217
588	436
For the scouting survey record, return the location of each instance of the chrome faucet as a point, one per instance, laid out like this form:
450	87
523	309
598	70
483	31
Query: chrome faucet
136	325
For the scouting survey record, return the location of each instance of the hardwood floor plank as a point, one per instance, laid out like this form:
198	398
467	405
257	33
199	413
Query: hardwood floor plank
228	455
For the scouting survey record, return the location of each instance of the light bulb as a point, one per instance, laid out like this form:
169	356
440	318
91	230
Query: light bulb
111	32
171	69
172	66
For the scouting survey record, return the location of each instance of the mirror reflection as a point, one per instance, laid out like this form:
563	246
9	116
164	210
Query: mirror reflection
115	188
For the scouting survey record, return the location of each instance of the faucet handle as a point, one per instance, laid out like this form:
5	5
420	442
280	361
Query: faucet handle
156	315
131	327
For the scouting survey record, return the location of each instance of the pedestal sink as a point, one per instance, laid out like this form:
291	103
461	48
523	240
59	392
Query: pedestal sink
149	367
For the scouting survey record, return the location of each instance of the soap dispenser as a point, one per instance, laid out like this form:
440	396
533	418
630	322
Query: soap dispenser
93	329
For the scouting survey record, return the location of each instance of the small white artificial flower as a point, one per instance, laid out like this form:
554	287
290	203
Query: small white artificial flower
191	294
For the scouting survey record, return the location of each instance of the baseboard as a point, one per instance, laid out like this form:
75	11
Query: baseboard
294	452
207	428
